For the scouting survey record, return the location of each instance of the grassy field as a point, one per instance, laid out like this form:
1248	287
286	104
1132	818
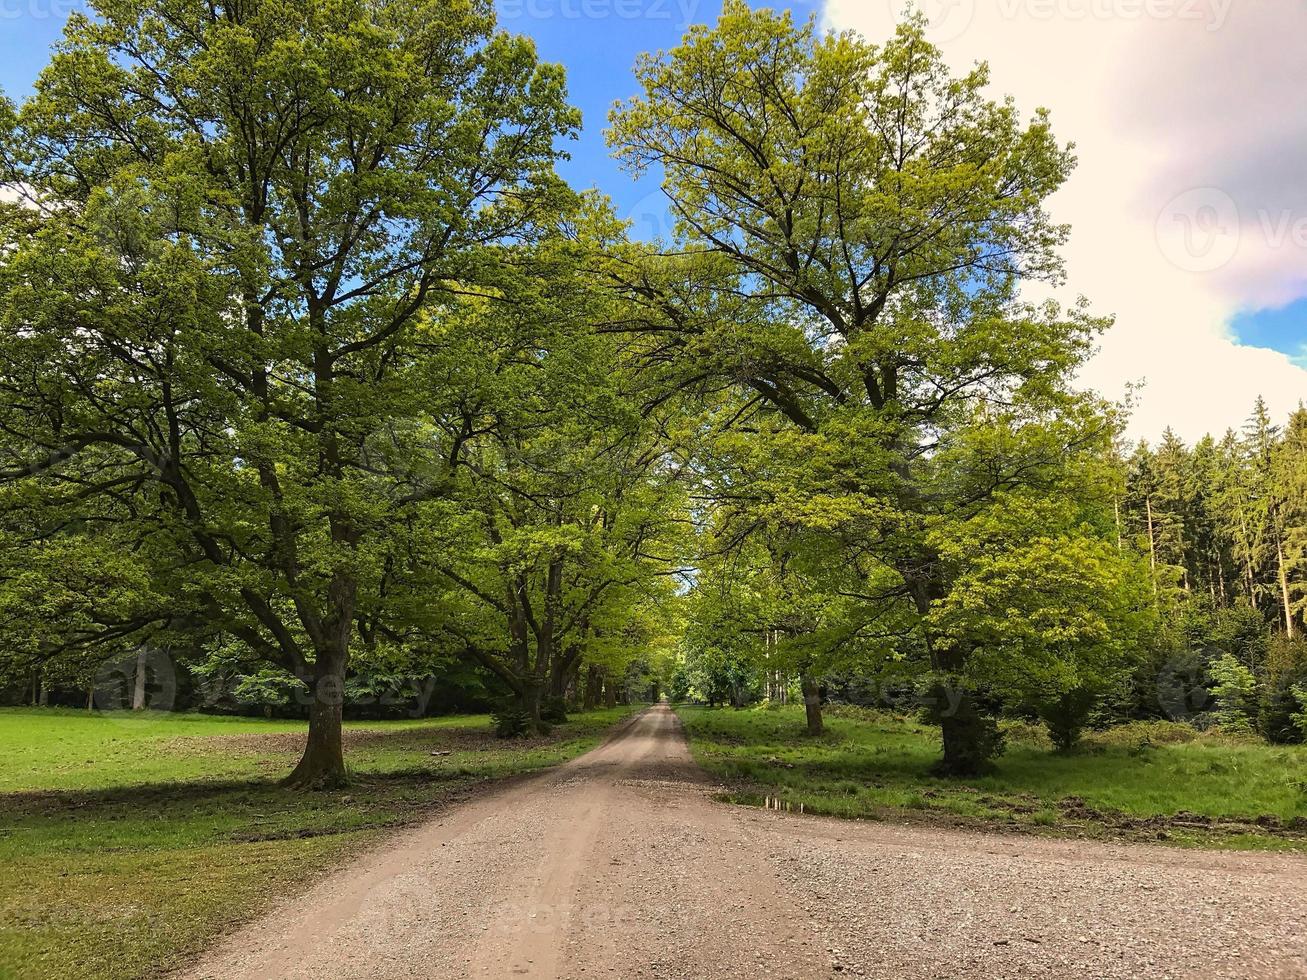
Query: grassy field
1158	781
128	841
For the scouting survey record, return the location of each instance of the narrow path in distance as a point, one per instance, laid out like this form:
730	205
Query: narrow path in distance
619	864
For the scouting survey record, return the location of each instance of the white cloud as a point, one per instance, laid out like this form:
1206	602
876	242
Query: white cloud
1188	204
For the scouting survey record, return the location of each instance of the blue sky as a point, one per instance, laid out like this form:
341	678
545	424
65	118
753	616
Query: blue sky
1283	329
599	51
597	40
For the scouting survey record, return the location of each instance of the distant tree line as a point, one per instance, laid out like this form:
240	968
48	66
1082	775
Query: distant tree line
1213	589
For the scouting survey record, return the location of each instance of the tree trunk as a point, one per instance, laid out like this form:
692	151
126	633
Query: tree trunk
531	699
1289	627
531	702
811	703
971	736
45	692
90	699
572	686
610	693
1152	543
1248	561
562	683
138	692
323	764
594	680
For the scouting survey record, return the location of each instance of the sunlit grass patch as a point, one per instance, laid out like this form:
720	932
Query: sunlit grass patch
128	841
1150	781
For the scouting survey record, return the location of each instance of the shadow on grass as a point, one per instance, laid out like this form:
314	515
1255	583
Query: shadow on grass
128	881
395	773
198	794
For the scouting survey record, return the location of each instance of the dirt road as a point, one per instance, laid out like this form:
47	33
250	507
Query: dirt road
619	864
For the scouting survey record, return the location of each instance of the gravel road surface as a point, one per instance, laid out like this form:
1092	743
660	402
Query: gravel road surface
619	864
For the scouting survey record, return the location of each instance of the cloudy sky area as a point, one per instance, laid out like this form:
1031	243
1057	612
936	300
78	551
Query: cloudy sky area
1189	205
1188	208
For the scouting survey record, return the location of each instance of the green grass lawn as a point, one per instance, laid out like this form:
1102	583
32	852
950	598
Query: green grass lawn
129	841
1138	781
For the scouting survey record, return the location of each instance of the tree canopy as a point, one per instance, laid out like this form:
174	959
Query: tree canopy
317	375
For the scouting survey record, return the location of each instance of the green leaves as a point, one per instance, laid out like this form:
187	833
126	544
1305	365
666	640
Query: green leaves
901	470
217	326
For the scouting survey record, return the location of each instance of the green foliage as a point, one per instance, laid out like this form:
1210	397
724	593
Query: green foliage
869	216
317	375
1047	605
876	765
512	720
98	862
220	327
1299	717
1067	716
269	687
553	710
1234	689
560	535
1286	670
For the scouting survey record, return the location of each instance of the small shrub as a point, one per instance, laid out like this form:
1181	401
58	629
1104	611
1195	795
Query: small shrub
554	710
1233	689
1300	716
1066	717
1136	734
1287	670
1018	730
511	721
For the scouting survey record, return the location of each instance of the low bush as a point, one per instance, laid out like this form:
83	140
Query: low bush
1067	716
511	721
1135	733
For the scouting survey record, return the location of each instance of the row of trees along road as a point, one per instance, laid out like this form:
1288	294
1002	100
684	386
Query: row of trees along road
270	351
313	366
905	472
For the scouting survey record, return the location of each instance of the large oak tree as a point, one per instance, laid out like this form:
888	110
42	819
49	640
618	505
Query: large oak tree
236	219
854	225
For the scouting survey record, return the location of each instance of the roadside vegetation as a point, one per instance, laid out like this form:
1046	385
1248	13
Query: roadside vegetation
323	396
127	841
1146	780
